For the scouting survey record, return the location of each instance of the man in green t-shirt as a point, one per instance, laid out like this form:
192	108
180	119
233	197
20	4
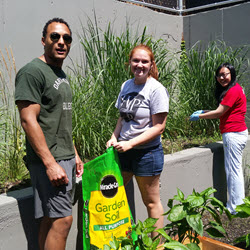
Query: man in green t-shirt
44	100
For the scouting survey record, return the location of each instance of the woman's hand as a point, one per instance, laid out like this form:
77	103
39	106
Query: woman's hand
123	146
111	142
194	117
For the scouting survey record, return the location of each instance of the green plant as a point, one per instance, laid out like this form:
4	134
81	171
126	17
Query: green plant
184	228
12	137
138	238
186	215
243	211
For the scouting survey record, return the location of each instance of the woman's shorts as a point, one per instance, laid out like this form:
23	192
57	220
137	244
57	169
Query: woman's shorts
51	201
143	162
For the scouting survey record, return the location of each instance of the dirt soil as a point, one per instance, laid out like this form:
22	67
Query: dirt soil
235	228
16	185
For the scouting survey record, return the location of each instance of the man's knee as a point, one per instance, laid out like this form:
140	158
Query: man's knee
66	222
62	225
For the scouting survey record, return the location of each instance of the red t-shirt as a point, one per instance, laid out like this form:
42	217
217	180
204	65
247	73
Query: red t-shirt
234	119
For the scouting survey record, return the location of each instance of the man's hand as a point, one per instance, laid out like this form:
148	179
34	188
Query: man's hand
57	175
79	166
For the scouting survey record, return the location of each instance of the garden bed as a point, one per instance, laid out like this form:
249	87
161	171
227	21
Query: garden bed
235	228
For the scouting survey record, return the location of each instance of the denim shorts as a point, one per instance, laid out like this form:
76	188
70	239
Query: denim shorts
143	162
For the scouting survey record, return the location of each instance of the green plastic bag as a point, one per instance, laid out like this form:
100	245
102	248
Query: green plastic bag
105	206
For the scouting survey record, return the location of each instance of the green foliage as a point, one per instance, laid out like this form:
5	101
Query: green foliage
138	237
243	211
12	139
185	216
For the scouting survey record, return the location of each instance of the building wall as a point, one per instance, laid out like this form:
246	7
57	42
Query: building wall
21	23
229	24
197	168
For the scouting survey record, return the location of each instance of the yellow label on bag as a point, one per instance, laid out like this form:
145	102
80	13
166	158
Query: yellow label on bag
108	216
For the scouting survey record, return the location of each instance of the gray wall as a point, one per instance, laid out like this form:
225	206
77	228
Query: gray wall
21	22
197	168
230	24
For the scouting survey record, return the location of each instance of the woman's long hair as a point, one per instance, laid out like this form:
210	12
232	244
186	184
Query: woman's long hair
219	90
153	71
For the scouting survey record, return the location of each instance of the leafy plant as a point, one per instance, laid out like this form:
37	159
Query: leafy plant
12	139
139	238
186	215
243	211
184	228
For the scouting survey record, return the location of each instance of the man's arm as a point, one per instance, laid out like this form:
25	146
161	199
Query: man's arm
28	114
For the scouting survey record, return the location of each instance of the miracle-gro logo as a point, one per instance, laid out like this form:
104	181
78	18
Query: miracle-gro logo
109	186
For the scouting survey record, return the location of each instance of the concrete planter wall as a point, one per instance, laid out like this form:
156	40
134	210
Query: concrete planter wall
197	168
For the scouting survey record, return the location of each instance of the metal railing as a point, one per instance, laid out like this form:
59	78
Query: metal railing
181	7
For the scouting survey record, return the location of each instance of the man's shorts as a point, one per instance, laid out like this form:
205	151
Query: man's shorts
143	162
54	202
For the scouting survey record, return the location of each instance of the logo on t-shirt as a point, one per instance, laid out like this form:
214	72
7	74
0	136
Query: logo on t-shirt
59	81
129	105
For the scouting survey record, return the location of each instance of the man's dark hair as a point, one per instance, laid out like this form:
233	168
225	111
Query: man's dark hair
219	90
54	20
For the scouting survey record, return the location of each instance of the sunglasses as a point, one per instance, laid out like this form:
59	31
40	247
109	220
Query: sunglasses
223	75
55	38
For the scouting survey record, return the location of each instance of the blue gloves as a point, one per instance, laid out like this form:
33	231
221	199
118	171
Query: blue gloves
195	115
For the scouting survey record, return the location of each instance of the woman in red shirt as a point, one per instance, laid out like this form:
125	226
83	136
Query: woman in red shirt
231	112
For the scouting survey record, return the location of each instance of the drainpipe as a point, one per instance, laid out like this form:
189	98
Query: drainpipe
180	7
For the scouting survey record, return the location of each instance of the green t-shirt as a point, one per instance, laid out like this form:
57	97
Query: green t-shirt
48	86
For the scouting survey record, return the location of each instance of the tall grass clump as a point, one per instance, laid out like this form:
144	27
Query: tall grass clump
196	83
12	136
96	81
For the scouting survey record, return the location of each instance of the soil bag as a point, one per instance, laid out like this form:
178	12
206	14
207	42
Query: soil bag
105	207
